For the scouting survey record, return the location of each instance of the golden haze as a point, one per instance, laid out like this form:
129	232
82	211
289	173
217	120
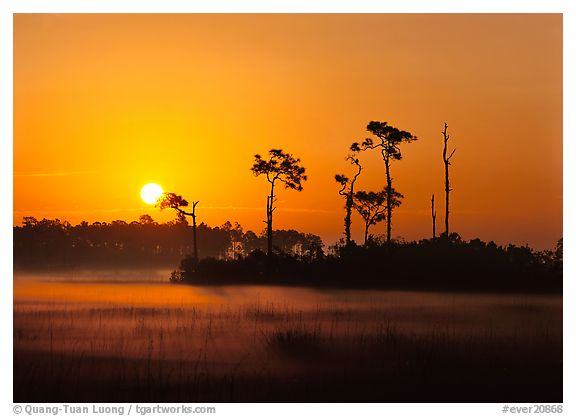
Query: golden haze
104	104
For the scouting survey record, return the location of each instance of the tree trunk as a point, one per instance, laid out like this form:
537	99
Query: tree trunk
350	205
195	241
447	189
348	218
269	211
366	227
433	219
447	192
388	202
194	232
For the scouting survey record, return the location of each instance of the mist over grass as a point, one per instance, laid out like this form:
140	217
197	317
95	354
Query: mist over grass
125	342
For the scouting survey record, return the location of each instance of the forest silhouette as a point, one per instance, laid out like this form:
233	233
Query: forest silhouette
227	254
52	244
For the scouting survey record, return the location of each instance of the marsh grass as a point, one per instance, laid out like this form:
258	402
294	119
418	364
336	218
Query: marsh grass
399	347
296	341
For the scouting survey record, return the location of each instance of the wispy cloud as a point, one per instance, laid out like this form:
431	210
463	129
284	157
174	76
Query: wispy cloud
241	208
53	173
49	211
307	210
230	207
76	211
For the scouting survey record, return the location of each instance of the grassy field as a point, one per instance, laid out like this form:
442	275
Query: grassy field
152	342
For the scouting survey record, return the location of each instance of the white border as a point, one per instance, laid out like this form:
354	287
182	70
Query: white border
567	7
569	166
6	205
287	6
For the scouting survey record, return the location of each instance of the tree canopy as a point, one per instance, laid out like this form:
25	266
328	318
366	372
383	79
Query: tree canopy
280	166
390	138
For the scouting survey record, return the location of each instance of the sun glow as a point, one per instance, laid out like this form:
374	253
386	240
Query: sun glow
151	192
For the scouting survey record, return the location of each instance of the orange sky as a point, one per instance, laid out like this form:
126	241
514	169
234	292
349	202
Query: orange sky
104	104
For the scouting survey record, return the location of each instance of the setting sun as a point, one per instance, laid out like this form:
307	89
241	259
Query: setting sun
151	192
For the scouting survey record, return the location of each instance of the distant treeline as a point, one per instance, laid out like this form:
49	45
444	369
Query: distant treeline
432	264
54	244
230	255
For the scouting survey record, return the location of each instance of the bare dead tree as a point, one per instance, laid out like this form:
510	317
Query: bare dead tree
447	188
176	202
433	219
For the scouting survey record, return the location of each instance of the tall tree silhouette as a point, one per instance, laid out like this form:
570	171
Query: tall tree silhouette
447	188
372	207
389	140
176	202
281	167
347	191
